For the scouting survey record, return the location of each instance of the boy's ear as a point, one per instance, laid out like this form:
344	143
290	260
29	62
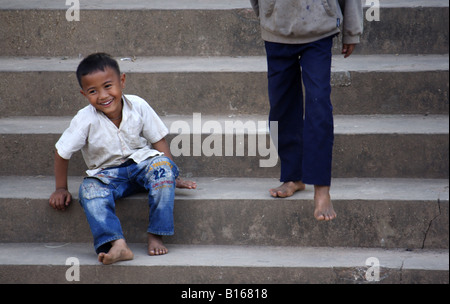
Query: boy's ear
82	93
122	80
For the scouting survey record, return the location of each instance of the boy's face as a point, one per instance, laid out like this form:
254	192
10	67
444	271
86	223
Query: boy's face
103	89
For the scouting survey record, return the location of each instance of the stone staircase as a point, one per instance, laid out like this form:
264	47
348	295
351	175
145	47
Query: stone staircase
205	60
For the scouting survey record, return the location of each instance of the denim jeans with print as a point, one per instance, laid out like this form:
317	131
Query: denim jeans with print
98	194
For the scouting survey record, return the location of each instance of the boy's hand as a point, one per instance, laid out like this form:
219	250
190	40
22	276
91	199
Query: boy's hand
60	199
184	184
162	146
347	49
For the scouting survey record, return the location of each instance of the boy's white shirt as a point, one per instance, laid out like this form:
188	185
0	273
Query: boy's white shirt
103	145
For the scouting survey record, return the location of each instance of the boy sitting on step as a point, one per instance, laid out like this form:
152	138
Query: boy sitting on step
123	143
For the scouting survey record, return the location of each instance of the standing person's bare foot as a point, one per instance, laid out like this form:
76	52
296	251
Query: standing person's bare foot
287	189
118	252
324	210
155	245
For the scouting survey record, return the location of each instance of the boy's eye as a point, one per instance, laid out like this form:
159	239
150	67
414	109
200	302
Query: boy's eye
91	92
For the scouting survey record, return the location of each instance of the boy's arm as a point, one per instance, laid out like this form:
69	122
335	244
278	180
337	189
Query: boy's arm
162	146
61	198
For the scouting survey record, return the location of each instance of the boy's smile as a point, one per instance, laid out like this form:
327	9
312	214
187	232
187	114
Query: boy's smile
103	89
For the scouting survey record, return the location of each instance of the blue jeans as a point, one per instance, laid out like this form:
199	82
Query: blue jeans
98	194
305	132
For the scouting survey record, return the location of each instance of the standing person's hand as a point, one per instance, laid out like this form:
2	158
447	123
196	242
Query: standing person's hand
347	49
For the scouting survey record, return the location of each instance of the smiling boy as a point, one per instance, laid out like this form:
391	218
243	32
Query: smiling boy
123	143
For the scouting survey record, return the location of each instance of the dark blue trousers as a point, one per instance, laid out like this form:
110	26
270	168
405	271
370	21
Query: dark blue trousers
305	130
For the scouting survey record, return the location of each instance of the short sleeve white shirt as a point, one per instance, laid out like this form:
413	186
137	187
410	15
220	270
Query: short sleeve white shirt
103	145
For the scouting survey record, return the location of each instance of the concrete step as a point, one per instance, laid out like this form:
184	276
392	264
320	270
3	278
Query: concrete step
229	85
383	213
187	264
208	28
365	146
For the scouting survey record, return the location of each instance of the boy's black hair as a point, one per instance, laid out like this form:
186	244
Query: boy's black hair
96	62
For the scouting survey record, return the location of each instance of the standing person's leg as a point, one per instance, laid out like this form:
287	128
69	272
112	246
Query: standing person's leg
318	133
286	108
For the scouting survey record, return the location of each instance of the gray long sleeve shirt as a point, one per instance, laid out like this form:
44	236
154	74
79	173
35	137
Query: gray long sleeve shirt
303	21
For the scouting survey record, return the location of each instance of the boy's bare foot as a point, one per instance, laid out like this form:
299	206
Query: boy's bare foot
287	189
323	207
118	252
155	245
